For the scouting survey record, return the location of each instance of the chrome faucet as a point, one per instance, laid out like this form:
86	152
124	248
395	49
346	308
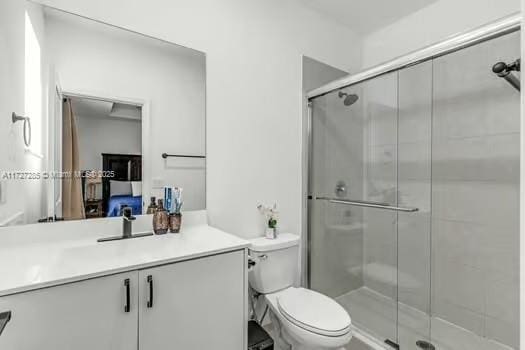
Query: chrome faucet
127	228
127	221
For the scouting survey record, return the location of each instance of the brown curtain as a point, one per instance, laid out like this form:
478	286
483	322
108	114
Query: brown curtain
72	201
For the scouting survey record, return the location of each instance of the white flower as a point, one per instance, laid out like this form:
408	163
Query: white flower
270	213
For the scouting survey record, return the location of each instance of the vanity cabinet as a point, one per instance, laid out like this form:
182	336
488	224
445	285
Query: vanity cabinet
193	304
196	304
83	315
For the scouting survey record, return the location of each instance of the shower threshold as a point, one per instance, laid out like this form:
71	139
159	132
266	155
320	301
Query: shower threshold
374	319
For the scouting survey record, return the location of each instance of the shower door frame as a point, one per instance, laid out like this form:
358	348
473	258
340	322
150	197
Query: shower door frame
454	43
457	42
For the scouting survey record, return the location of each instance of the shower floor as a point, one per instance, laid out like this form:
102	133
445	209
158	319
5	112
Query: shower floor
374	314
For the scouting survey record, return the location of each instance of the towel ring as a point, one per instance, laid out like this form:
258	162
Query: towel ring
27	127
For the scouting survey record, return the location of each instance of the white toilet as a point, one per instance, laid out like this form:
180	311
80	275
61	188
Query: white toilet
304	319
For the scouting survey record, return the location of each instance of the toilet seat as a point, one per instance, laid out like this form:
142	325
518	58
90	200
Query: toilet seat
314	312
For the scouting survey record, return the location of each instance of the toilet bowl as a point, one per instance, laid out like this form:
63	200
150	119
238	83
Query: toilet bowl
309	320
303	319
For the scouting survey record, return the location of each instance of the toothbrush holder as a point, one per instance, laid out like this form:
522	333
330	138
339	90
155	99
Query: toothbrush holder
175	222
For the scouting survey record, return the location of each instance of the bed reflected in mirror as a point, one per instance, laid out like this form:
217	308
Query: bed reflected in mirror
101	141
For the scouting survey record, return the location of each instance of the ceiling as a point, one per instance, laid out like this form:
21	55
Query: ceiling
92	108
366	16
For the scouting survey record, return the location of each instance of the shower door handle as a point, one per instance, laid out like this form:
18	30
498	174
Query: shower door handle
366	204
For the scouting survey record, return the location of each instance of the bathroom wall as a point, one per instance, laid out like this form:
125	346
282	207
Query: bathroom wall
254	91
172	81
98	135
22	66
431	24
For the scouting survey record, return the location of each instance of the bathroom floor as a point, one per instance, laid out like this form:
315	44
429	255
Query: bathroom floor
355	344
373	313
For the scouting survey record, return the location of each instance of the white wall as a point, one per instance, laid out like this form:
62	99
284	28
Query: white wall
106	135
431	24
316	74
21	91
109	62
254	91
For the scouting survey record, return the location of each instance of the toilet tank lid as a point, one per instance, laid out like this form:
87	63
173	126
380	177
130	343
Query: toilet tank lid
283	240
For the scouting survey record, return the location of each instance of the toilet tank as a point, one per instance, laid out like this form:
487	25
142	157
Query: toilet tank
276	263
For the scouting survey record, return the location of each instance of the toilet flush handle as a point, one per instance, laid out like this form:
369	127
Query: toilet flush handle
251	262
263	256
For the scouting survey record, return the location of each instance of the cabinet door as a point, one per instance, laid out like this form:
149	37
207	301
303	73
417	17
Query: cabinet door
86	315
197	304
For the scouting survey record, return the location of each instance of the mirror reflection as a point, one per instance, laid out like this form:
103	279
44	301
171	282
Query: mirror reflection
97	119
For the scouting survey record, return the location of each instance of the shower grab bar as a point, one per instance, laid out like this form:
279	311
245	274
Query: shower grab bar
366	204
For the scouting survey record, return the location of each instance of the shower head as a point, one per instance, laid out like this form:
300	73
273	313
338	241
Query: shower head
349	99
502	69
505	71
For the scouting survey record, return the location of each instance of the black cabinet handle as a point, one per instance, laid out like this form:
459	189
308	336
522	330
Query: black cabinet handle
149	304
127	306
4	318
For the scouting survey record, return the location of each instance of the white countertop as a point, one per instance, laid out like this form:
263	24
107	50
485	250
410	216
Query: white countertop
32	266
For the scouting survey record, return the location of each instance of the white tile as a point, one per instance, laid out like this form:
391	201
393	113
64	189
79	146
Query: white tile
487	247
448	336
414	261
381	165
468	101
494	157
456	285
502	297
414	161
415	194
381	227
415	104
473	201
377	315
458	315
336	249
502	332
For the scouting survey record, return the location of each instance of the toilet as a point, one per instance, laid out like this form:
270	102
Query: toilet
303	319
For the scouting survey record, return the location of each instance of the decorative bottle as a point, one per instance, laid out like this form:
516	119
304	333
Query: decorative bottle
152	208
160	219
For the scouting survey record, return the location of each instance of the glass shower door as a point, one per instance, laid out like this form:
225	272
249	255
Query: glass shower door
353	241
414	189
475	199
414	202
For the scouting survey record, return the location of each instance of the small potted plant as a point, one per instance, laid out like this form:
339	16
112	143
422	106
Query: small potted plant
271	214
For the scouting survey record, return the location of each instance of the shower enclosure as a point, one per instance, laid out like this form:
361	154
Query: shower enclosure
413	195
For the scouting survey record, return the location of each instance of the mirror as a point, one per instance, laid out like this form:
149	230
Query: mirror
95	118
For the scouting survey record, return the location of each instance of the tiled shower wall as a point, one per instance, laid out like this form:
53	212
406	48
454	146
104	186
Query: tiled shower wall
336	253
380	97
475	191
442	136
453	152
